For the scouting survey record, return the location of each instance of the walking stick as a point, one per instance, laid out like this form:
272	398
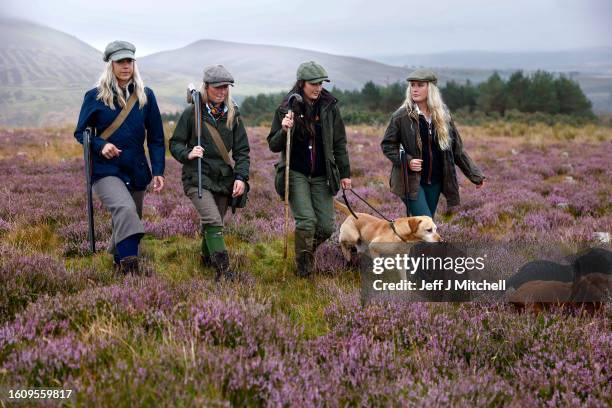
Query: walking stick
292	98
195	98
404	169
88	171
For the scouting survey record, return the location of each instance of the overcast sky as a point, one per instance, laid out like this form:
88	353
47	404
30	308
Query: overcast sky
359	27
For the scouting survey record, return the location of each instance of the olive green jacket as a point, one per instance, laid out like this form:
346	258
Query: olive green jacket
217	176
404	129
337	164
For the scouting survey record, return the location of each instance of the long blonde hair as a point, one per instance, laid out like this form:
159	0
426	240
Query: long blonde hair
439	113
231	107
108	88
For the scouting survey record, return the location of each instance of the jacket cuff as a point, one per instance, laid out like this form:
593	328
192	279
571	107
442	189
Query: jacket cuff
345	172
239	177
478	179
98	144
184	158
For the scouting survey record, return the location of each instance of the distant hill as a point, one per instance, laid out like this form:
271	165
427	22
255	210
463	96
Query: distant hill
45	72
589	60
260	68
591	67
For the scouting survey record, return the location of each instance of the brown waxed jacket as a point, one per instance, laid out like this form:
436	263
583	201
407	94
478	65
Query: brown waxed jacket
404	129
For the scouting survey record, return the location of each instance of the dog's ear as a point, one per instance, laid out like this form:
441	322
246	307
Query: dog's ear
591	288
413	223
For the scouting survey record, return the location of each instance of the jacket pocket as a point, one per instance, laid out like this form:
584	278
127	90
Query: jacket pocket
141	175
334	178
393	179
279	178
225	177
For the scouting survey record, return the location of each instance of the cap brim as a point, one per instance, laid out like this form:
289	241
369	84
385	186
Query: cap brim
317	81
421	80
218	84
119	55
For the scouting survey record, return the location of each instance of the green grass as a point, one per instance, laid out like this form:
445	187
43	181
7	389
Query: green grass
177	259
302	300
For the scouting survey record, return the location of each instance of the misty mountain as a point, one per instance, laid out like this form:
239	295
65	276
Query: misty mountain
589	60
44	72
261	68
591	67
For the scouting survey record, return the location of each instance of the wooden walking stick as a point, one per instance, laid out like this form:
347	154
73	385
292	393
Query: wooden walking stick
404	168
292	98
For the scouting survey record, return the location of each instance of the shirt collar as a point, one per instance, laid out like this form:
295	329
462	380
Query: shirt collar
128	89
418	111
209	107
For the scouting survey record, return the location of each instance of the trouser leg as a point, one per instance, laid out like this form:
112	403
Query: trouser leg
212	208
300	201
419	206
432	196
323	206
125	208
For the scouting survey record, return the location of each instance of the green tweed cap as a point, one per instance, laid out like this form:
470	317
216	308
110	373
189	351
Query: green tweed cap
312	72
217	75
423	75
118	50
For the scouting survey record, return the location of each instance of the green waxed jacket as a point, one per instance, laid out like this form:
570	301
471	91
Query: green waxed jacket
337	164
217	176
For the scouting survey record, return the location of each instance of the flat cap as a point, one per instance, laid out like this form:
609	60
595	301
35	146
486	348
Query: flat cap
118	50
423	75
217	75
311	72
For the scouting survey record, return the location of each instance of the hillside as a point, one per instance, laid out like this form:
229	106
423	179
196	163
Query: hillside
44	72
593	60
260	68
591	67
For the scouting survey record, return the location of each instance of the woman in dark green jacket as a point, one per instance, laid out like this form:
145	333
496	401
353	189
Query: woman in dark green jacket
319	162
220	183
423	129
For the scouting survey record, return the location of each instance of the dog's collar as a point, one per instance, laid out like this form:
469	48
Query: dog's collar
392	224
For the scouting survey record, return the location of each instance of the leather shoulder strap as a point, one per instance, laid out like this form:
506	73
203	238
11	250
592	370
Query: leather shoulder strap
108	132
216	137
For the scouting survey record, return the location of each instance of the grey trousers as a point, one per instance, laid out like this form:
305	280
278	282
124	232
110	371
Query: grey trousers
125	208
211	207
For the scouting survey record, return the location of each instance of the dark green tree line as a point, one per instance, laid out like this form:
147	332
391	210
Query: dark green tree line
538	93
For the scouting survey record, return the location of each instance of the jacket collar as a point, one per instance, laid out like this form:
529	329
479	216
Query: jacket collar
419	113
128	90
326	99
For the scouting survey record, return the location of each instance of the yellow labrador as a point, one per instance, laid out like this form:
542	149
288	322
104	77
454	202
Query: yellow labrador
371	234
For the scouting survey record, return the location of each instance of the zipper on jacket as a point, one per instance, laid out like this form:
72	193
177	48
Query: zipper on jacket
419	143
313	152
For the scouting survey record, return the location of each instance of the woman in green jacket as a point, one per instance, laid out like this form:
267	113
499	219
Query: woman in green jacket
220	183
319	161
